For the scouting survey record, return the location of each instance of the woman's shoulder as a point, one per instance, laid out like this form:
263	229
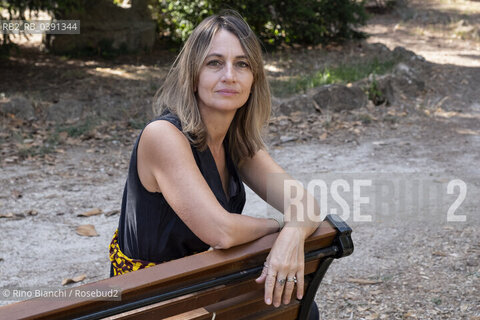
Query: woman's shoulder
164	134
166	126
168	116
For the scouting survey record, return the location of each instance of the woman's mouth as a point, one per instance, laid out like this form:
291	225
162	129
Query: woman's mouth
227	92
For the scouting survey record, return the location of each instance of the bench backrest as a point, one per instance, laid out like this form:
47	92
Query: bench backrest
216	284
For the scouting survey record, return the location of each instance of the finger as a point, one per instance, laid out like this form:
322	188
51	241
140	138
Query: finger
289	285
300	282
269	285
278	291
263	275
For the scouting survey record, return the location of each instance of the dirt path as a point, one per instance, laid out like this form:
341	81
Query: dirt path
427	270
442	31
418	268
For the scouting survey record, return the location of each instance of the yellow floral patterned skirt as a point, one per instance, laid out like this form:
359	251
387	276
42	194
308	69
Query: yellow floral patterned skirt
121	263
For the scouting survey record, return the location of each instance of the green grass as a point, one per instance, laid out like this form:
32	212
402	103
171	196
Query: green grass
339	74
35	151
77	130
47	148
365	118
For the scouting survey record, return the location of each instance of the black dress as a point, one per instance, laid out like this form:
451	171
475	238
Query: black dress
149	229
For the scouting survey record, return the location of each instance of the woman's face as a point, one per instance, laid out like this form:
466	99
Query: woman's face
225	77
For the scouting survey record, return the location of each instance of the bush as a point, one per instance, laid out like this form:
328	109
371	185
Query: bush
277	22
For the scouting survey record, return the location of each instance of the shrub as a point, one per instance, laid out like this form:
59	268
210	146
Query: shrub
277	22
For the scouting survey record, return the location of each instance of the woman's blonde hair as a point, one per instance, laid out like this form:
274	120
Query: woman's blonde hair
177	94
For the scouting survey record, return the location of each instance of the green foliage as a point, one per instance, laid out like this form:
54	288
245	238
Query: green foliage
277	22
329	75
78	130
49	145
374	93
178	18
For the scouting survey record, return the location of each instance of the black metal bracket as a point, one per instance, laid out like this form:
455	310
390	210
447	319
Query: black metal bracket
343	246
343	240
309	297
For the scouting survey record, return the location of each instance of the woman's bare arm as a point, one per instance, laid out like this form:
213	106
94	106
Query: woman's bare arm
165	157
267	179
286	259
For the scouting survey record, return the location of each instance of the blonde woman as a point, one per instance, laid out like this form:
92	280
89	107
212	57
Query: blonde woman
184	191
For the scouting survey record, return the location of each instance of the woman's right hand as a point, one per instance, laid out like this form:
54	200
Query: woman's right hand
284	267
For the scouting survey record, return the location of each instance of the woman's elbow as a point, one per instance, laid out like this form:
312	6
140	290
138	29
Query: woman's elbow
222	244
222	241
223	238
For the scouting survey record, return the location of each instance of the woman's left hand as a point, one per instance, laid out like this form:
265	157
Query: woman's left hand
284	267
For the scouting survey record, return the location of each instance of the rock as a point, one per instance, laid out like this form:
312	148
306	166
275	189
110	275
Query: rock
65	110
472	261
302	103
403	81
384	86
338	97
20	107
458	266
378	47
285	139
407	80
403	54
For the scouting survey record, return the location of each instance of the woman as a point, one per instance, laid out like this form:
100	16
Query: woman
187	167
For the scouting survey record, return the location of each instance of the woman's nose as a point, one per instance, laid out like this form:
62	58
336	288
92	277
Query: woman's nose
229	73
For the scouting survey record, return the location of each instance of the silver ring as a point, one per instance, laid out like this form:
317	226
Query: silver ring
293	279
281	281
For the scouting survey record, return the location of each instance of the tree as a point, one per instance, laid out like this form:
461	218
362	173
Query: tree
105	27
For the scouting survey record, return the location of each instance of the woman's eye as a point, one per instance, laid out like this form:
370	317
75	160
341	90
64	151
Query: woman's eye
243	64
213	63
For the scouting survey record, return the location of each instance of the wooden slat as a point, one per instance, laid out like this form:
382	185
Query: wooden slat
247	306
288	312
189	302
199	299
236	307
162	278
194	314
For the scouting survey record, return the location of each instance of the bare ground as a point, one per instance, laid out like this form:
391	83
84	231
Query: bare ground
400	269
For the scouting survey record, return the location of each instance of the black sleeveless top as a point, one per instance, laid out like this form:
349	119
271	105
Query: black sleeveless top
149	229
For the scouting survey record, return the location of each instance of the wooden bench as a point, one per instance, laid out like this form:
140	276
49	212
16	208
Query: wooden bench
216	284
